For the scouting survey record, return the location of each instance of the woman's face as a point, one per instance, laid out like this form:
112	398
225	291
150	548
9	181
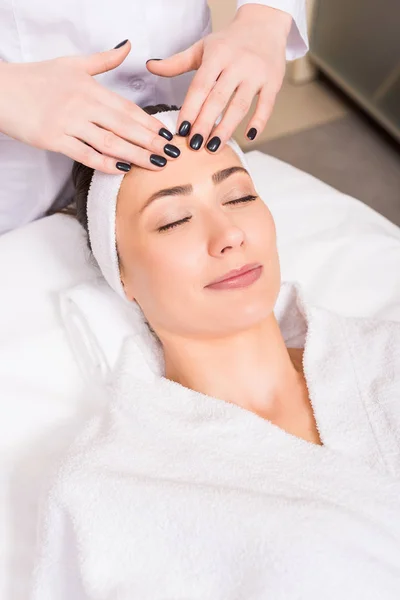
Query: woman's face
181	228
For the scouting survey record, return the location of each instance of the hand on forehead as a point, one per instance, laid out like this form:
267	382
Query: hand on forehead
195	168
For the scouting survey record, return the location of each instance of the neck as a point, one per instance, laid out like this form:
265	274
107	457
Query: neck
252	368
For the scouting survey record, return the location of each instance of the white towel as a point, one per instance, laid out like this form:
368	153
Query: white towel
170	494
97	321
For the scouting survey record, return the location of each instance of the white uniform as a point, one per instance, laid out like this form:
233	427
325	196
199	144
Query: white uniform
32	180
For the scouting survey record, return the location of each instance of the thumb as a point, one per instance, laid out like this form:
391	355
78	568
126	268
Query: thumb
107	60
188	60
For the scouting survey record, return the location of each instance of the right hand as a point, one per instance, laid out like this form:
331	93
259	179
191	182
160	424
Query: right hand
57	105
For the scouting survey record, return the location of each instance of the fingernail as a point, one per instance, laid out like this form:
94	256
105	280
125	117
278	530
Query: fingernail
159	161
120	44
165	133
252	133
214	144
196	141
171	150
123	166
184	129
148	60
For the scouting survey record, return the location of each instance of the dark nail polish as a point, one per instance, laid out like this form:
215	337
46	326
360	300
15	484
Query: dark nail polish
159	161
252	133
196	141
171	150
123	166
214	144
149	59
165	134
184	129
120	44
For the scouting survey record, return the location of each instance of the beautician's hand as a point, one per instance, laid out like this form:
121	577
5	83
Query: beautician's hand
245	58
57	105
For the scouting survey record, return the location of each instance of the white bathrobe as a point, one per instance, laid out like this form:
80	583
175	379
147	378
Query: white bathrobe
170	494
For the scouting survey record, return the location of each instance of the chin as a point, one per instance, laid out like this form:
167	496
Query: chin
244	317
256	312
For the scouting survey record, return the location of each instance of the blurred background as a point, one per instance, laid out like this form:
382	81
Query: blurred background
337	115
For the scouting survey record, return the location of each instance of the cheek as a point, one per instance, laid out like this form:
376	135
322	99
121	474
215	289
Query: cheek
166	272
261	230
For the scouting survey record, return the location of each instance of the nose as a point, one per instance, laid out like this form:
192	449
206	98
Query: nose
226	236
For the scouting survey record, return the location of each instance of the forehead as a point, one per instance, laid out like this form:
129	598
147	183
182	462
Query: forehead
192	166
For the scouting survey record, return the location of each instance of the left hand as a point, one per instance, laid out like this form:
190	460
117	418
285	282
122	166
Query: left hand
245	59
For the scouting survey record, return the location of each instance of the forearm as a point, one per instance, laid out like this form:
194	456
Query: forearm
4	86
282	13
264	23
260	15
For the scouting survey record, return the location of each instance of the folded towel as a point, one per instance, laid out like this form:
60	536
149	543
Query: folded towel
97	322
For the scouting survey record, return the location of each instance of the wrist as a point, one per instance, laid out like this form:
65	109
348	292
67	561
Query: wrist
276	21
4	68
5	84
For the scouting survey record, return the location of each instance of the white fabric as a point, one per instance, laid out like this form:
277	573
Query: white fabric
102	210
345	255
171	492
97	322
35	30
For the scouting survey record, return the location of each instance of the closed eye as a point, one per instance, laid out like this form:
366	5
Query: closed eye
176	223
171	225
244	199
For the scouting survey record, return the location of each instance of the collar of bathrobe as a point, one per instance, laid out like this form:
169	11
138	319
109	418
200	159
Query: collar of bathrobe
342	407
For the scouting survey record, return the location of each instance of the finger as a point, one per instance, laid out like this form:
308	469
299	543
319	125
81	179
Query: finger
129	130
199	89
181	62
264	107
109	144
132	111
83	153
237	109
101	62
215	103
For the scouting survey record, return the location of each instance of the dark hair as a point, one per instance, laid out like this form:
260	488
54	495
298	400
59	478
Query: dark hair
82	176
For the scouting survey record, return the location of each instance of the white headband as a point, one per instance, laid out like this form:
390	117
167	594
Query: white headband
102	208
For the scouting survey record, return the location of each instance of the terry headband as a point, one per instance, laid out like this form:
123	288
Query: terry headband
102	208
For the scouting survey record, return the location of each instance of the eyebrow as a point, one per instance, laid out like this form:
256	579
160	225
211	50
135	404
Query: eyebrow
186	190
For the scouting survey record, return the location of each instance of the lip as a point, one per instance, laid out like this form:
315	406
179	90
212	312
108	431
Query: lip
238	277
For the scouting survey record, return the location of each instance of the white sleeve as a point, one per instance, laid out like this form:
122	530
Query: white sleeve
297	43
57	575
